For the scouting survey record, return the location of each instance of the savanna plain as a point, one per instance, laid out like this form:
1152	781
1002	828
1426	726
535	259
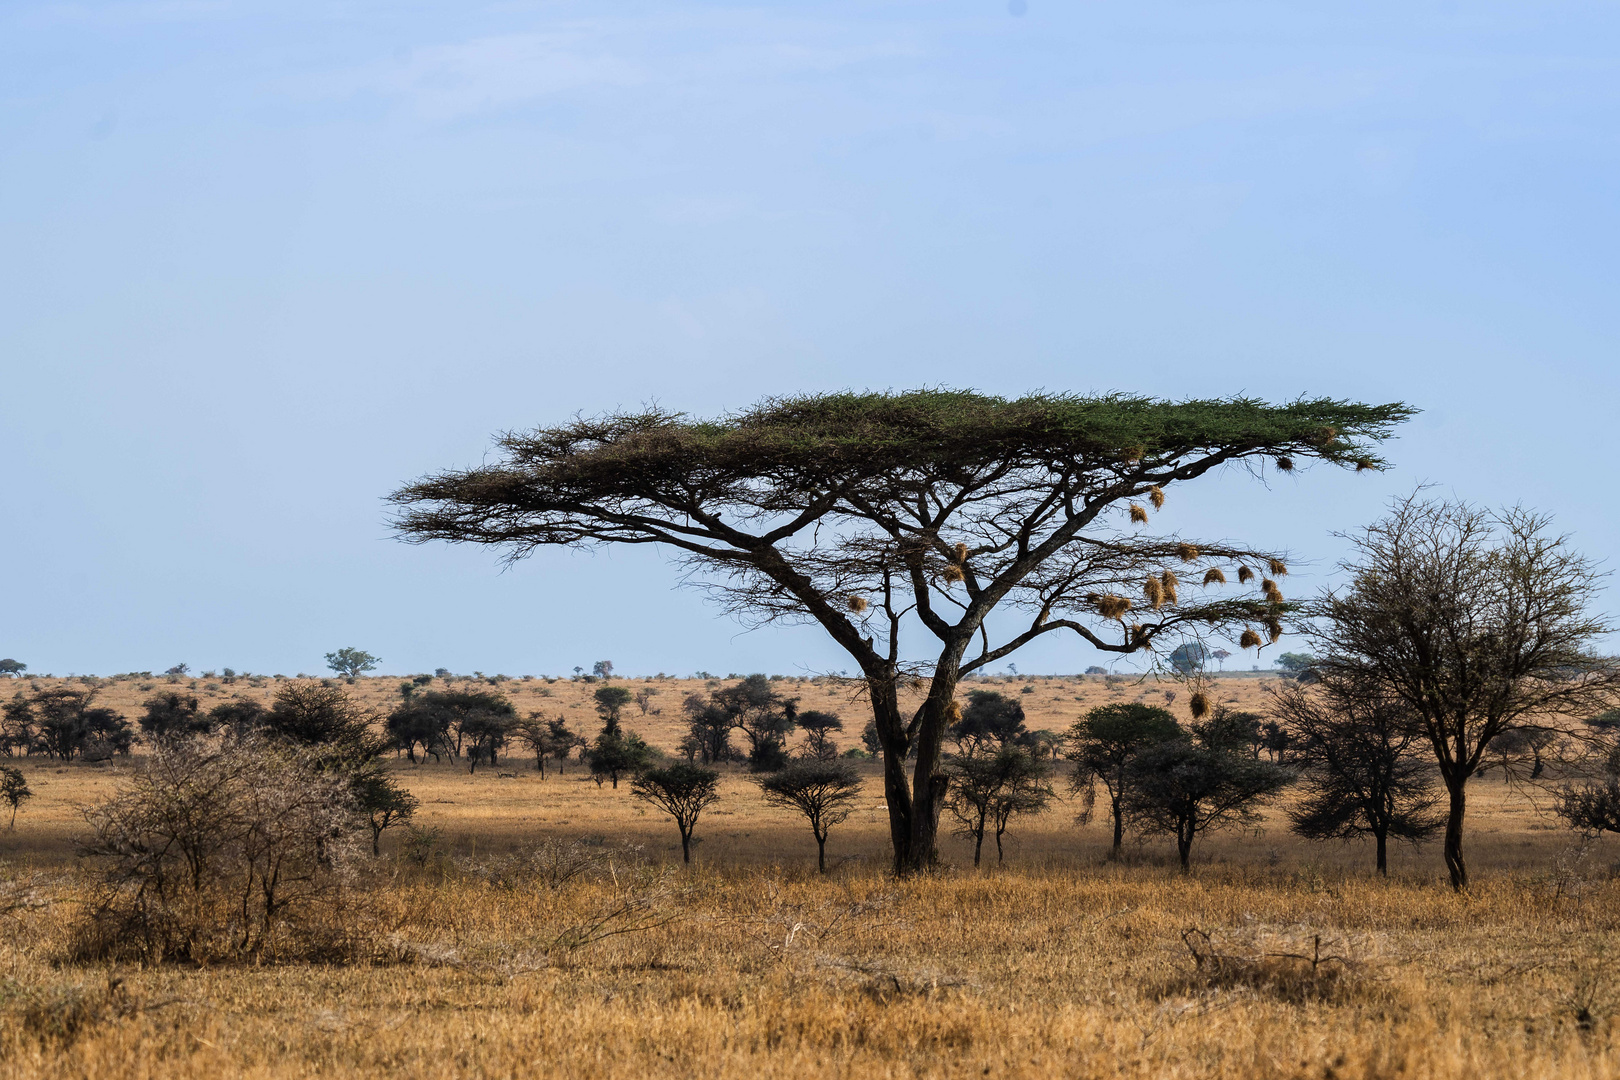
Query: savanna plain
546	926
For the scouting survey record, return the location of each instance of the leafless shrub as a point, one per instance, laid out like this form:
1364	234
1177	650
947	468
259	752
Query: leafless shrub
62	1014
1295	977
642	898
241	850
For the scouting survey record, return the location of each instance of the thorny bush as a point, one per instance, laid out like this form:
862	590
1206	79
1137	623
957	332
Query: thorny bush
240	850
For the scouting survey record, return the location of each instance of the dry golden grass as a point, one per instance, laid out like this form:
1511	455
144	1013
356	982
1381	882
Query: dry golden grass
1058	964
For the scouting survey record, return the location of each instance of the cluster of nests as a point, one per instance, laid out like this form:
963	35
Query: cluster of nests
1159	589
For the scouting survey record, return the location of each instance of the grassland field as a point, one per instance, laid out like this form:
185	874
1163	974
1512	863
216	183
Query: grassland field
1058	963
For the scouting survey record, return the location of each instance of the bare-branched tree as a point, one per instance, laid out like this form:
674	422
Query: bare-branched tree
1479	622
887	517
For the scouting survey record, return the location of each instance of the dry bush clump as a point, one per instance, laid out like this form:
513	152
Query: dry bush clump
1311	974
241	850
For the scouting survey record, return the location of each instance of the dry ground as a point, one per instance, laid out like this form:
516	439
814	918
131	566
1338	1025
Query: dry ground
1058	964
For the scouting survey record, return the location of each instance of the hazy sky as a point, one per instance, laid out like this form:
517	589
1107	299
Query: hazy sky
261	262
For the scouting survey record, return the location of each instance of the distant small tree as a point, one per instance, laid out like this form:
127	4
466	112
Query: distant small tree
384	803
610	702
1103	745
602	669
173	714
825	792
1189	657
818	728
989	722
178	670
709	727
313	715
1221	657
644	698
10	668
14	790
1186	787
419	722
988	789
1516	747
1361	758
351	662
238	716
486	734
683	792
1296	663
616	752
765	718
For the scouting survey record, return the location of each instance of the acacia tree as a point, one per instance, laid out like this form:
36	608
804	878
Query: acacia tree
1360	763
1478	622
1187	786
683	792
1102	745
885	518
989	788
825	792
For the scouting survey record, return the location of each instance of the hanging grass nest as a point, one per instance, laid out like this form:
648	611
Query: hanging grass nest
1199	704
1278	568
857	604
961	554
1138	514
1112	607
1134	453
1273	593
1274	628
1139	637
1214	576
952	573
1324	436
1187	552
1249	640
1245	575
1285	464
1363	464
1168	582
1156	497
953	712
1153	589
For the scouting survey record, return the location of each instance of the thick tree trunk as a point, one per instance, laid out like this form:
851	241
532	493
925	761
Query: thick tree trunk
821	854
1184	849
686	846
978	846
1455	787
1383	854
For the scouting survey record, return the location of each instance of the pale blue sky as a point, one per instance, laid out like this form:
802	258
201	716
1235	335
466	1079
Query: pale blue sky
261	262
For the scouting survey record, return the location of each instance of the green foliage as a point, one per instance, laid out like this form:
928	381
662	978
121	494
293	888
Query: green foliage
172	714
1294	663
683	792
10	668
611	700
1105	742
351	662
825	792
990	722
14	790
988	789
1189	657
1185	787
